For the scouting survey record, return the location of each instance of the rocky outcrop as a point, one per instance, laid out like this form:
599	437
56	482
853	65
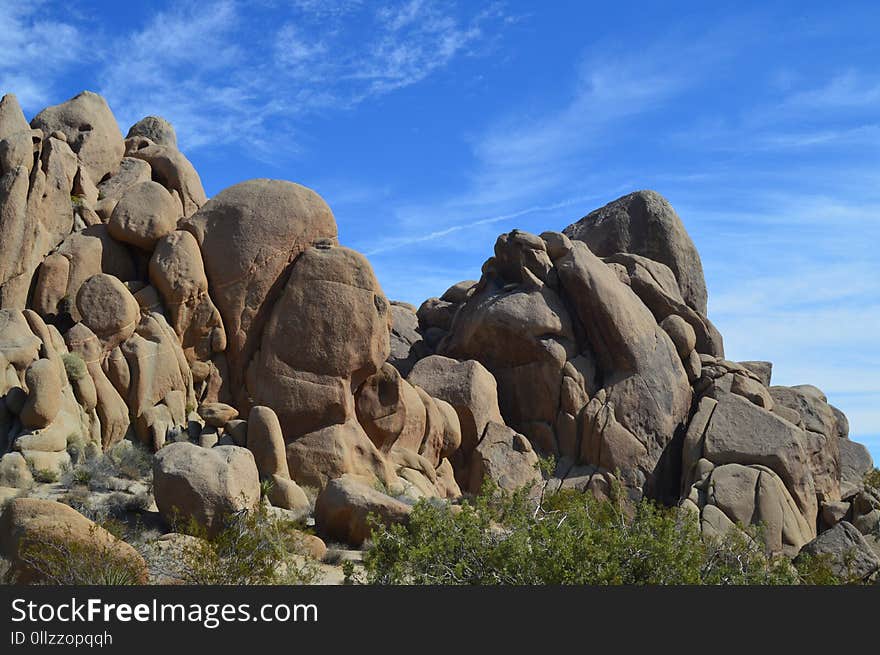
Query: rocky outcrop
850	556
582	367
89	129
239	341
305	370
249	234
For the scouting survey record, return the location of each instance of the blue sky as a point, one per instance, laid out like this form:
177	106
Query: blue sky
431	127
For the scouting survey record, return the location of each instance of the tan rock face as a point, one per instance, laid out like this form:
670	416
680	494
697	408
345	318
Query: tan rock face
342	509
643	223
108	309
30	523
504	457
305	369
156	129
266	441
467	386
583	369
318	457
78	257
16	233
171	169
249	234
91	131
177	272
110	405
44	394
156	368
128	300
381	407
205	484
40	410
12	119
145	213
731	443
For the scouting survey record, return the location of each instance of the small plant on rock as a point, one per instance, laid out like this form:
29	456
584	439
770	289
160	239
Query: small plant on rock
74	366
872	479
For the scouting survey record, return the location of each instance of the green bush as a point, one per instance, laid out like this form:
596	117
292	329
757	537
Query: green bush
65	560
81	476
46	476
255	548
130	460
570	538
74	366
872	479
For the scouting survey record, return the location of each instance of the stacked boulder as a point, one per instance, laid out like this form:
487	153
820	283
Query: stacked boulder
133	307
48	399
604	357
583	368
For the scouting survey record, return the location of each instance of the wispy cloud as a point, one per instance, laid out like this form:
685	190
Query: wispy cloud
394	243
849	89
223	73
537	159
35	49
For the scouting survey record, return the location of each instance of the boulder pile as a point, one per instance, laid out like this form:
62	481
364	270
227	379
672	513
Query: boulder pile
236	339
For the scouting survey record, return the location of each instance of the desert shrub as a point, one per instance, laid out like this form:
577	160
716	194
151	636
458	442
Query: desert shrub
81	475
46	476
59	560
872	479
74	366
569	538
94	469
255	547
130	460
817	570
79	448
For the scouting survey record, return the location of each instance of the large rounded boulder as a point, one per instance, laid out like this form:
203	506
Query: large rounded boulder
249	234
644	223
204	484
32	528
91	130
307	368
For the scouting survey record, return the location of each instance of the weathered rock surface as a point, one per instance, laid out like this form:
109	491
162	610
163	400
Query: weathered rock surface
249	234
342	509
29	524
849	555
644	223
467	386
91	131
145	213
132	307
156	129
504	457
204	484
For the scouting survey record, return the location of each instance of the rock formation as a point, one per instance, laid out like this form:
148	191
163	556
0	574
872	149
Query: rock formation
239	341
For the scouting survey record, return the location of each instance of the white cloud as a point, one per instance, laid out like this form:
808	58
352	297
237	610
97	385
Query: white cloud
244	75
35	50
222	72
850	89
